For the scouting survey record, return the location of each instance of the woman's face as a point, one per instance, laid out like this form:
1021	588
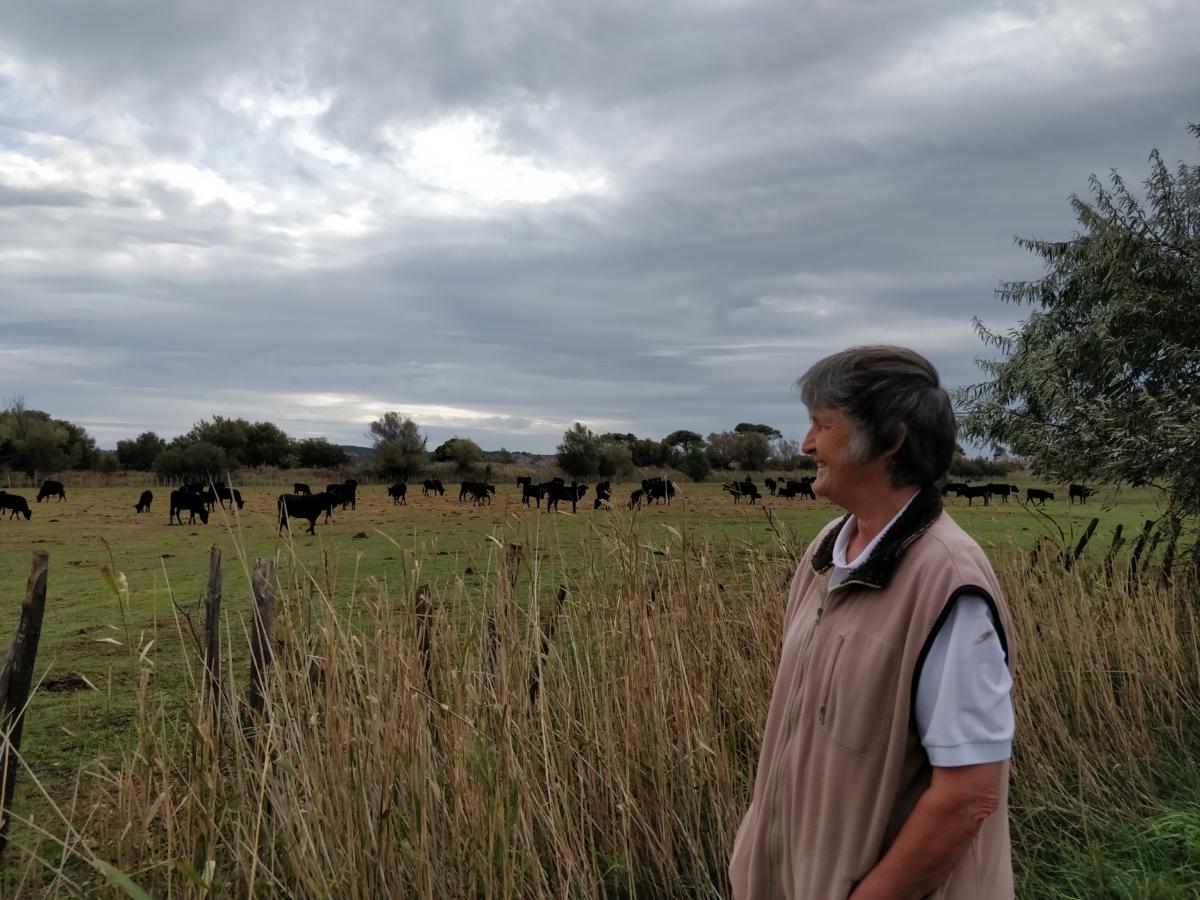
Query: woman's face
839	476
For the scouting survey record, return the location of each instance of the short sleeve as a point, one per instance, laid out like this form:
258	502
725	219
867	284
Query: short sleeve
964	710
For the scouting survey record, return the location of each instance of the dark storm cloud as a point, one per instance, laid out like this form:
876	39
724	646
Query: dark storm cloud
504	217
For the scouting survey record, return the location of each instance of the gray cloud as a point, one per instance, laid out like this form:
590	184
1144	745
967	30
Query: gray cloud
504	217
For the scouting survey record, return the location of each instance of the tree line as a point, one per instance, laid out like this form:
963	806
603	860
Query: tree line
33	442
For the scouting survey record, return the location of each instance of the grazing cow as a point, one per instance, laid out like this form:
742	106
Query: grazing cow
51	489
1003	490
771	484
144	501
191	503
399	493
603	496
538	491
479	492
740	489
15	504
301	488
305	506
432	485
344	493
954	487
1032	494
233	495
1080	491
635	499
976	490
570	492
802	488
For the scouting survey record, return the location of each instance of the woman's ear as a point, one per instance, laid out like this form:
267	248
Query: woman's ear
900	439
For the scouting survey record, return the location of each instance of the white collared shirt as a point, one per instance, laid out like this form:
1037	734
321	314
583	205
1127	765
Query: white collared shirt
964	708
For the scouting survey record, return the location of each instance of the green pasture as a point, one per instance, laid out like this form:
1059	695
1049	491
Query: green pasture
122	585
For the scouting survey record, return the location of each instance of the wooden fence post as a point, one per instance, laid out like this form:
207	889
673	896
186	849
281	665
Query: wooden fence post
1168	559
535	677
1087	536
212	634
260	633
1111	557
16	677
1137	550
424	611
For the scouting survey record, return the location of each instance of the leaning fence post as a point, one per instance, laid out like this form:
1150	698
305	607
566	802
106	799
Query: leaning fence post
1137	550
212	634
16	677
1087	536
1168	559
260	633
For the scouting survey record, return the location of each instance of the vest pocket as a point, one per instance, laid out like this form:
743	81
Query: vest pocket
829	680
858	690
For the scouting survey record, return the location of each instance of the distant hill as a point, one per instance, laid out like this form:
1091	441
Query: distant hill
358	454
363	455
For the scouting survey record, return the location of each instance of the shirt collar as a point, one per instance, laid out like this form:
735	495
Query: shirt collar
851	528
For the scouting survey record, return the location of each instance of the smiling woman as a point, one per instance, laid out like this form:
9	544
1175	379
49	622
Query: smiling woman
884	762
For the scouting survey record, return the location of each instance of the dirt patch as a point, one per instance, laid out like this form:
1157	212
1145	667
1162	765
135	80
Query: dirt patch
68	681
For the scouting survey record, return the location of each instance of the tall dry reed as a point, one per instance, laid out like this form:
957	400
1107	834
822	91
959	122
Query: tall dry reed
597	743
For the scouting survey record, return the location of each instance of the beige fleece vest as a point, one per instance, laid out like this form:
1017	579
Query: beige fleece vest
841	765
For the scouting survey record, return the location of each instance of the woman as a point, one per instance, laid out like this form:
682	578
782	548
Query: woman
884	762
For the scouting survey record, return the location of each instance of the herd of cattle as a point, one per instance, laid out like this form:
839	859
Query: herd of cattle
198	499
972	492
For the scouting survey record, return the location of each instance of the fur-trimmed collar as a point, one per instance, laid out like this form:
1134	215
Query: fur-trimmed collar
881	565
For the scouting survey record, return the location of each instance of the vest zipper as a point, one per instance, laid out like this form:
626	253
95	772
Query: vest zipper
829	681
773	834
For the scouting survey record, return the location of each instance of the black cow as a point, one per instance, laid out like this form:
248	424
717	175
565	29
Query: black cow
538	491
432	485
194	487
344	493
305	506
51	489
954	487
603	495
635	499
571	492
233	495
524	481
1003	490
658	488
740	489
1078	491
802	488
301	488
771	484
1032	494
479	492
191	503
972	491
15	503
399	493
144	501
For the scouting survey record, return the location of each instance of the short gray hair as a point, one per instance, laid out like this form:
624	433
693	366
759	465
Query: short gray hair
891	394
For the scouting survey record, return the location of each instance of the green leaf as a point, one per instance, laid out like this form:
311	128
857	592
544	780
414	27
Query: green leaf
120	879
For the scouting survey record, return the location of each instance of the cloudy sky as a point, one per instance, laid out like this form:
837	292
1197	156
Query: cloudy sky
500	217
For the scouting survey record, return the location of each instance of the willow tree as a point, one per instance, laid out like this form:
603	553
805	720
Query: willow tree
1101	381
